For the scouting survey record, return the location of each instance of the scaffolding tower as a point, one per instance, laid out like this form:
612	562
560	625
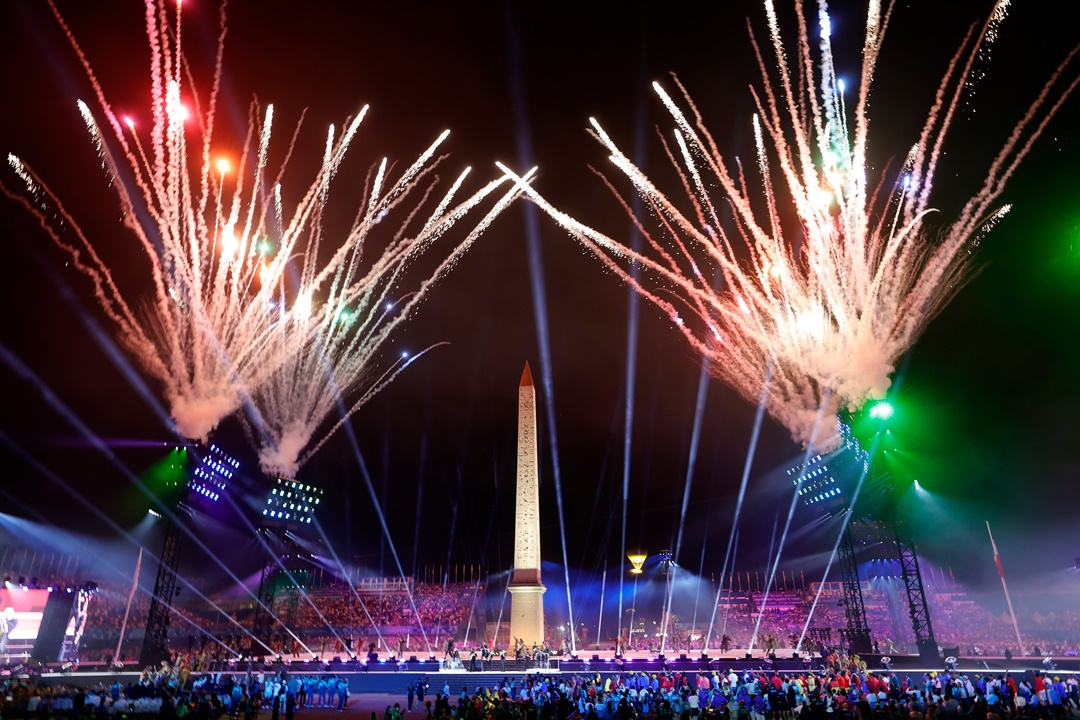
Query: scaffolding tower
857	632
916	593
155	647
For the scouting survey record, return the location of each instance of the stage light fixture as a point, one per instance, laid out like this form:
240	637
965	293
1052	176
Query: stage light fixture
212	471
882	410
291	503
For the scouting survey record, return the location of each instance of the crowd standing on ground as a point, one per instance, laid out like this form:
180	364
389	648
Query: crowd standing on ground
841	690
173	691
840	693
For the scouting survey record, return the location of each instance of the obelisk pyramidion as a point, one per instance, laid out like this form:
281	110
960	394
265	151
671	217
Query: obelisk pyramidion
526	590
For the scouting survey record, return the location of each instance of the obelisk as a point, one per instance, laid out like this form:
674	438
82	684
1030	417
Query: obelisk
526	590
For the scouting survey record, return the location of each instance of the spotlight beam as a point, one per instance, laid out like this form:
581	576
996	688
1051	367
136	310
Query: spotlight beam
539	293
754	435
791	513
344	413
420	496
449	548
632	326
386	530
701	572
472	610
731	586
691	465
348	579
268	550
628	416
107	345
502	606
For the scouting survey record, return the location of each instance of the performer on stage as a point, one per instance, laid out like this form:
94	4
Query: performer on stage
7	624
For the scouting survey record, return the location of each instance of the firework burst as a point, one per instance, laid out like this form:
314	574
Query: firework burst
332	349
242	305
832	301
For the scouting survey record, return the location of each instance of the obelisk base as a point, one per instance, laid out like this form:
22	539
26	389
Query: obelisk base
527	614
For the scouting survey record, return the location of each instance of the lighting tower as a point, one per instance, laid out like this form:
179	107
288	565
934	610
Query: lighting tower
909	561
156	641
212	473
290	506
857	632
208	479
825	482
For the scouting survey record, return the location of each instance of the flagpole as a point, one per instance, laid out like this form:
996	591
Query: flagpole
131	596
1001	572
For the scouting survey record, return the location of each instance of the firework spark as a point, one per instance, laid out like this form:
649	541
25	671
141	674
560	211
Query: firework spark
334	366
227	319
833	300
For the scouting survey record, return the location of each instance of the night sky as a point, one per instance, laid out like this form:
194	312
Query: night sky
988	397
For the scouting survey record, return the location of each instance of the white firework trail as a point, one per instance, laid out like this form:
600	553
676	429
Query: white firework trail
225	319
836	297
337	367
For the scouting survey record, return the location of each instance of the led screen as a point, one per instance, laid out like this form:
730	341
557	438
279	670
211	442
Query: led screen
20	620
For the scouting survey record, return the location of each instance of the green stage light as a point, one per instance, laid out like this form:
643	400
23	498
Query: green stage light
882	410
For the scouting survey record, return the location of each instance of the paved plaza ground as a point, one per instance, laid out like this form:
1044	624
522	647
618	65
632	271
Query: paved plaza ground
360	705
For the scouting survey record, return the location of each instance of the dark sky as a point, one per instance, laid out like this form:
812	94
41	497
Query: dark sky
989	395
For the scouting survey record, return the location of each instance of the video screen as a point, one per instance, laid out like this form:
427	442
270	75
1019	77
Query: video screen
20	621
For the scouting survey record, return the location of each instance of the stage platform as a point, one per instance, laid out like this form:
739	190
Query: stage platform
388	676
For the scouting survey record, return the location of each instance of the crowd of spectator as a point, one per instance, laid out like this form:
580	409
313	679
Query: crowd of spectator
430	605
417	617
336	620
845	691
958	622
176	691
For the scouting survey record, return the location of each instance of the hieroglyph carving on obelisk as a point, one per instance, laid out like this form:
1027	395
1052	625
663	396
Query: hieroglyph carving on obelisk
526	590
